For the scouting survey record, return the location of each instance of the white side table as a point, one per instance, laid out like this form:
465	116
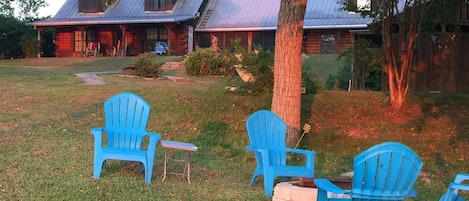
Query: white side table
169	146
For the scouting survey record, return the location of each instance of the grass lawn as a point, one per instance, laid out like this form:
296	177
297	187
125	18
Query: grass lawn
46	149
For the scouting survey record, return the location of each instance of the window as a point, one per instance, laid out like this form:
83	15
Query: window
90	6
154	35
359	5
265	39
78	40
328	43
159	5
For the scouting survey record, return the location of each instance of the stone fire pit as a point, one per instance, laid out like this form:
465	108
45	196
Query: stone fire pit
305	190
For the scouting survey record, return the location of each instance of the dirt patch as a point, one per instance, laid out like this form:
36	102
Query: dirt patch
90	78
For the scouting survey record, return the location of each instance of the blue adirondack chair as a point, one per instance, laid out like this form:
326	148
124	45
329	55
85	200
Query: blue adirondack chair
161	47
126	116
386	171
456	186
266	133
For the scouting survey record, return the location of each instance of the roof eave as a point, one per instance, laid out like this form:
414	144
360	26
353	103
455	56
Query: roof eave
236	29
222	29
107	22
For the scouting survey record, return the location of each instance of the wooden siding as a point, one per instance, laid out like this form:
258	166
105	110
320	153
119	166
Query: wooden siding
440	63
178	37
344	40
462	14
109	36
312	42
64	42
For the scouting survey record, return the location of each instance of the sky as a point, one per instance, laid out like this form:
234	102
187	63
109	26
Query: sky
54	6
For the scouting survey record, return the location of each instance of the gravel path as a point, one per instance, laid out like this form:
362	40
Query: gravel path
92	78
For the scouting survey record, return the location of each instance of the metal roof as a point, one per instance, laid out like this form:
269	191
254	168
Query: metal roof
252	15
123	12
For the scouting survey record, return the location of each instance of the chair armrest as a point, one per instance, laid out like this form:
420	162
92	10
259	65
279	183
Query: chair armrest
455	186
98	136
310	155
252	148
154	138
461	177
307	153
328	186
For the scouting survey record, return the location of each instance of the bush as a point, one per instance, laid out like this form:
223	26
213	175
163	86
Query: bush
31	47
204	61
146	67
340	81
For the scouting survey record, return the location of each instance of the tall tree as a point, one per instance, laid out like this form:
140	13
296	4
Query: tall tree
399	24
6	9
27	9
286	100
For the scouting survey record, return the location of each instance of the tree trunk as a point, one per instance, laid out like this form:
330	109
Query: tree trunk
286	100
399	59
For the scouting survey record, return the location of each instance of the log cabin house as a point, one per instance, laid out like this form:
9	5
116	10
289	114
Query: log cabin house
131	27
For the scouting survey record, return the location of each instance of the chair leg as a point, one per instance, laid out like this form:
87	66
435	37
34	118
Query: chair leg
322	195
252	180
148	172
256	173
98	165
268	185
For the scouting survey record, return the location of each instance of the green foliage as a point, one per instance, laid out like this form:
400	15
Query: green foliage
340	80
366	54
11	31
440	16
259	63
204	61
146	67
29	9
108	2
196	113
31	47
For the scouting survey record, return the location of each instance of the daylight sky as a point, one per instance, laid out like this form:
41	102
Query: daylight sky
54	6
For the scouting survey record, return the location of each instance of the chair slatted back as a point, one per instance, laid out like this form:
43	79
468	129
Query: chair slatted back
267	130
126	117
386	171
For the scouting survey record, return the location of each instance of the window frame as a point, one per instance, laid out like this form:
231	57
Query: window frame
159	5
91	6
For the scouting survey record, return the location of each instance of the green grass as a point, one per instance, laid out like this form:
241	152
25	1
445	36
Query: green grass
46	149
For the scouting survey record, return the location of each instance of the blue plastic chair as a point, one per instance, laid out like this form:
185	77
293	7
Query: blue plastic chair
126	116
386	171
266	133
161	47
456	186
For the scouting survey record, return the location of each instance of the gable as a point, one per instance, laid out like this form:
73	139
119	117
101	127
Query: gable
90	6
122	12
251	15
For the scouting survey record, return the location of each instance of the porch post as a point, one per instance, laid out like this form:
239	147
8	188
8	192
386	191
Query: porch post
39	30
124	39
249	41
83	39
190	39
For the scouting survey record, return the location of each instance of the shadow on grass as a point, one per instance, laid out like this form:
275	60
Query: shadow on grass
214	139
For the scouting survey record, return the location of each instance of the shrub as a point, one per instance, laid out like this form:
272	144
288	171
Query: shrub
31	47
204	61
146	67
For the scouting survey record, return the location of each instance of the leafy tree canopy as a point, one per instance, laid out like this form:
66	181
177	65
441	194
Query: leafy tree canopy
21	9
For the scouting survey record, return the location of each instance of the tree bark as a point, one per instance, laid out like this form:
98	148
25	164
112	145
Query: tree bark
399	59
286	100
